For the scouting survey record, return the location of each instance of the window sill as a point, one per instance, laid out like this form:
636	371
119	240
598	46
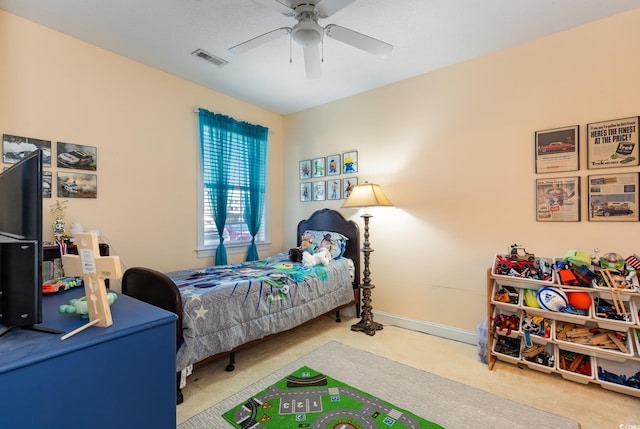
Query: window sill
232	249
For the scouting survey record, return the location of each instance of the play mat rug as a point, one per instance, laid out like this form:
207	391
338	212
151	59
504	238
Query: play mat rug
308	399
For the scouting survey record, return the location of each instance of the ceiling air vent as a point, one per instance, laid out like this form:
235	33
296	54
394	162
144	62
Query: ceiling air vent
208	57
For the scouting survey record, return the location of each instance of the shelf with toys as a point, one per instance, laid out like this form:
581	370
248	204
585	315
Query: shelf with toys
575	315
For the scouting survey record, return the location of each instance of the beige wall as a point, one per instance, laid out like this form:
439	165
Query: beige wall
143	124
453	150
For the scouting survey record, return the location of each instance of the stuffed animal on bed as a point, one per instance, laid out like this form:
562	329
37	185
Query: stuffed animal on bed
321	257
295	254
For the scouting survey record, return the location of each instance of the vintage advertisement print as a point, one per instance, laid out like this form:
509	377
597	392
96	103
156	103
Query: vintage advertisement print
558	199
557	150
613	197
612	143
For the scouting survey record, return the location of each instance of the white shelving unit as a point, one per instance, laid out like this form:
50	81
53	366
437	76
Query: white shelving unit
556	354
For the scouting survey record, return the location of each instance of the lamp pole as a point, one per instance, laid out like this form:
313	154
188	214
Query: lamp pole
366	323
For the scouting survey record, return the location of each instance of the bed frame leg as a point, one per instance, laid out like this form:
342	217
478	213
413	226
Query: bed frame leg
338	320
232	360
179	397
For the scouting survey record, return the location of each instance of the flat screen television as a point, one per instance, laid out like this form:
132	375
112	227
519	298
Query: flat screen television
21	245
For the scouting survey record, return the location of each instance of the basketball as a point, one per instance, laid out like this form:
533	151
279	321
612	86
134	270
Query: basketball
580	300
552	299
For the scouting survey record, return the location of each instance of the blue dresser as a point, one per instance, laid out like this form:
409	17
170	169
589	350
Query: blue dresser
123	376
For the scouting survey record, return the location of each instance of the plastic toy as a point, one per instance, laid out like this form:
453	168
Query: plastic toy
507	294
567	277
81	306
612	261
61	284
552	299
518	253
577	257
531	298
579	300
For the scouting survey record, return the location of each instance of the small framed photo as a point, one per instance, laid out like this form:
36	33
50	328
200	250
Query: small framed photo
333	165
77	185
334	189
613	197
47	183
347	186
305	169
557	150
318	191
14	148
77	156
305	192
319	167
613	143
558	199
350	162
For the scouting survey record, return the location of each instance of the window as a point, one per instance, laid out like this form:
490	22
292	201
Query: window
233	184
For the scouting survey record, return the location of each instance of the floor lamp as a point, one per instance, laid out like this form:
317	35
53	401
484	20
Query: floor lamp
366	195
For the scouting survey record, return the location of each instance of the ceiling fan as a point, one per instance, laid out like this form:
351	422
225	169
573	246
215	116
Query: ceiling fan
309	34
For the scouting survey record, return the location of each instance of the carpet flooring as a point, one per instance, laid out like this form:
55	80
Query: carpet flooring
446	402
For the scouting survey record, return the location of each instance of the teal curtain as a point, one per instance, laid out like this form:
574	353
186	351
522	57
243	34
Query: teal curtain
255	143
215	130
234	157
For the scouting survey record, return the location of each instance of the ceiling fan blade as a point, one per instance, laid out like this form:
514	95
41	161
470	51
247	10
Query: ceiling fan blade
327	8
259	40
278	5
312	61
359	40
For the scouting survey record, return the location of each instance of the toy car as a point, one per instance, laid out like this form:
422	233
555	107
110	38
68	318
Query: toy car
61	284
518	253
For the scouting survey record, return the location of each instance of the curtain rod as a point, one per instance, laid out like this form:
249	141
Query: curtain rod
270	132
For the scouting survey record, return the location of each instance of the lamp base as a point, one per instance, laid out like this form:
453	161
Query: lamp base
369	327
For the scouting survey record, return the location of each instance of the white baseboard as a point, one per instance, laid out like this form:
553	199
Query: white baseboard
442	331
438	330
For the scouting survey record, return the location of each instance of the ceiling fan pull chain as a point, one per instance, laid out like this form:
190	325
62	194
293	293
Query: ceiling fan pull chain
290	50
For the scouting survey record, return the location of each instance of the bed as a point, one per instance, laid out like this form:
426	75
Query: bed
224	308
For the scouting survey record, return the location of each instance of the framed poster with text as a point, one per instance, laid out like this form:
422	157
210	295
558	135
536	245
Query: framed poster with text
557	150
612	143
558	199
613	197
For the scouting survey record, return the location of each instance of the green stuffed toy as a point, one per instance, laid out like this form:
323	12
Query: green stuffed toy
81	306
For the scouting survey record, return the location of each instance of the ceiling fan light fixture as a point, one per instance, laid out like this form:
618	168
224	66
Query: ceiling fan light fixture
306	33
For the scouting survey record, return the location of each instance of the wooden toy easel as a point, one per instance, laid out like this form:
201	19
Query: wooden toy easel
93	268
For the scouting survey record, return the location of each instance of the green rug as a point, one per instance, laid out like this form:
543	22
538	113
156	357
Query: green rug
307	398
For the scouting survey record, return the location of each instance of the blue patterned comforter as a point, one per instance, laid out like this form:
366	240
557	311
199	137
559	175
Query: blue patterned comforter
227	306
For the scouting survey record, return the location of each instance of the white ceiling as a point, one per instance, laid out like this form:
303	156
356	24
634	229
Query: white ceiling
426	34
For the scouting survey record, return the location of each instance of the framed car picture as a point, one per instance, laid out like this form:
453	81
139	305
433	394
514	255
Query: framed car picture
612	143
558	199
613	197
557	150
14	148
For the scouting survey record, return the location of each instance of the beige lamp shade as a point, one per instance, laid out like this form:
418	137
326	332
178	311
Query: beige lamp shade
367	195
